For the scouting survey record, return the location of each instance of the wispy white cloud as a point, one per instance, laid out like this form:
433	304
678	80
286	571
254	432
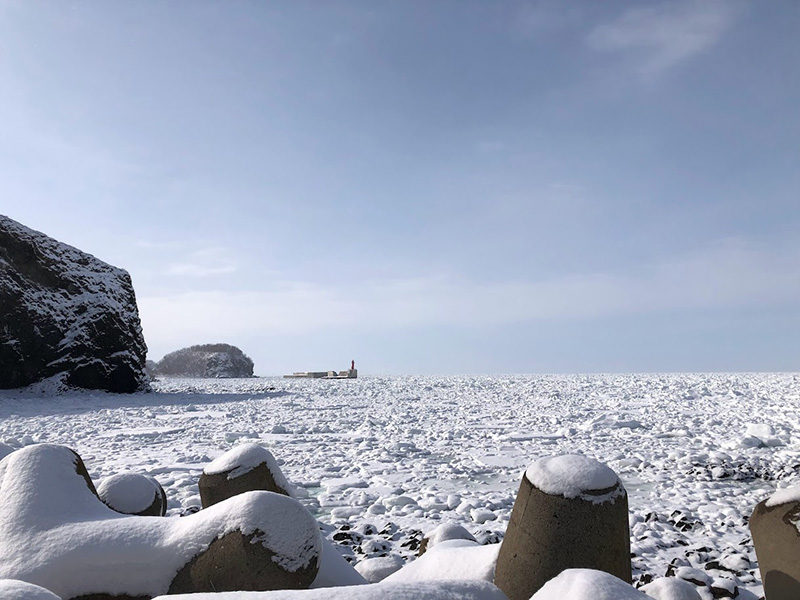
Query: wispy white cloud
665	35
205	262
730	274
199	270
539	17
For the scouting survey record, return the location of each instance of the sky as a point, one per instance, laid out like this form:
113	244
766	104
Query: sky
440	187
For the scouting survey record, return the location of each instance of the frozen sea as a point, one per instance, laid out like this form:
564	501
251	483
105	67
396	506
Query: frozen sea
382	460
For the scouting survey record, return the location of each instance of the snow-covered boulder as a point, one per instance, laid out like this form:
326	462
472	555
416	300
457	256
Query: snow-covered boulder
671	588
133	494
244	468
571	511
206	360
379	568
13	589
56	533
453	559
760	435
442	533
434	590
65	314
587	584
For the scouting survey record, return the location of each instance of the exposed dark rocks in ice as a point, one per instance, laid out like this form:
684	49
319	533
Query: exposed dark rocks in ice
206	360
64	314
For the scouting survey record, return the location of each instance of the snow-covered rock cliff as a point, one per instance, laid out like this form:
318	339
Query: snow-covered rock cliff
65	314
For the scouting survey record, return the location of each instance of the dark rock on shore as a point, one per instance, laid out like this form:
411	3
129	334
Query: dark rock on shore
65	313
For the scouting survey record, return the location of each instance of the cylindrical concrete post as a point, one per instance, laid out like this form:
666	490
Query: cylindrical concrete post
570	512
775	528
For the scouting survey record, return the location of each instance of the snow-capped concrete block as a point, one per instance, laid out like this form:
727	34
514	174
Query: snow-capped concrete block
775	527
587	584
133	494
55	532
245	468
65	314
570	512
453	559
428	590
671	588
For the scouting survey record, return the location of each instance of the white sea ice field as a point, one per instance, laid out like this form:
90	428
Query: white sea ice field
383	460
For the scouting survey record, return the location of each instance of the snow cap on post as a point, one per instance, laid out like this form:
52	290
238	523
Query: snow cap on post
574	476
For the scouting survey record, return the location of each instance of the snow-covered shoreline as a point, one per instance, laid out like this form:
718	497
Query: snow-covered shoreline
386	459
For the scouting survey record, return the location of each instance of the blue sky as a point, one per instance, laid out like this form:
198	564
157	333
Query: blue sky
424	187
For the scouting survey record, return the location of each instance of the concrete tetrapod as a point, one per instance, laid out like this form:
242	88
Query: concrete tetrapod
56	533
776	536
570	512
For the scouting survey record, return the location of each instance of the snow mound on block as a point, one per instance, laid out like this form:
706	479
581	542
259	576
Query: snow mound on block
128	493
587	584
445	532
439	590
13	589
55	532
379	568
244	458
784	496
570	475
453	559
670	588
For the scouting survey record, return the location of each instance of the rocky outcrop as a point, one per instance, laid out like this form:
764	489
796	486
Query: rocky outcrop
65	313
206	360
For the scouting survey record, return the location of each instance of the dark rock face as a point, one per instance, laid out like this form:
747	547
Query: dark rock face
206	360
63	311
